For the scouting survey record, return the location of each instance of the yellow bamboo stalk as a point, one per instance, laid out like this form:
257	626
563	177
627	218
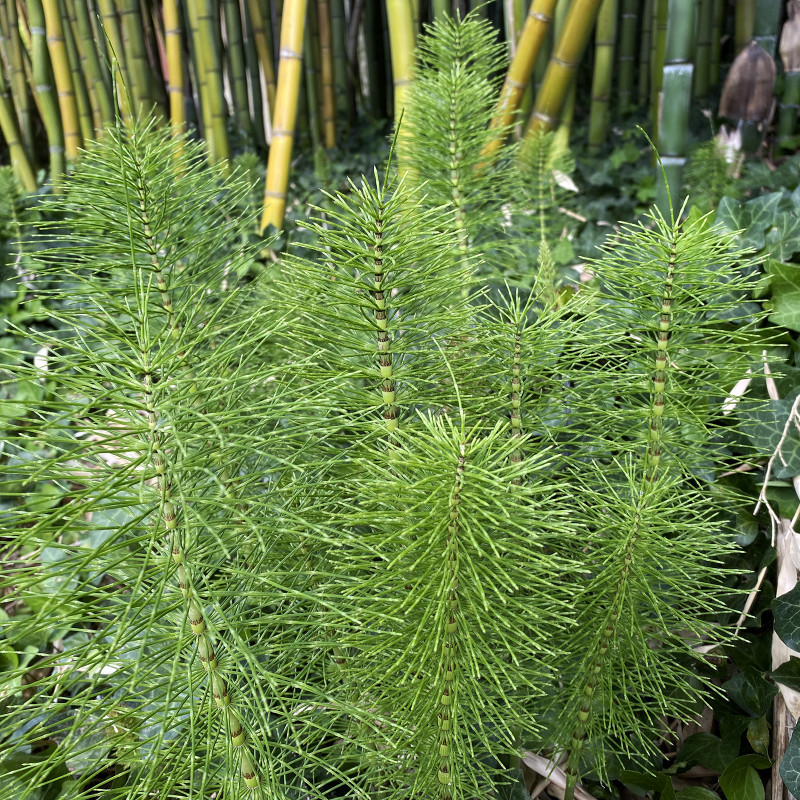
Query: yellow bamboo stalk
173	35
63	78
111	29
326	65
285	116
563	64
533	36
401	44
264	50
10	129
17	77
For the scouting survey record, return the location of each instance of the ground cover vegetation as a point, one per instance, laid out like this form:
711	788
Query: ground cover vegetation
443	484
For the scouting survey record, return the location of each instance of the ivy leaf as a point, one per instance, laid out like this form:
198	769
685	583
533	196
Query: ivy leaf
740	781
788	673
765	425
753	218
790	765
758	735
783	241
706	750
751	691
786	609
641	780
785	286
696	793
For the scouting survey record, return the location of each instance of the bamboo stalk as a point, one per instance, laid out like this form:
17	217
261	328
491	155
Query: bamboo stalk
659	39
765	24
703	59
16	76
264	48
326	70
96	72
643	88
63	79
10	130
627	54
173	35
137	64
373	46
677	95
340	70
401	43
534	33
43	81
211	68
236	66
441	8
563	64
716	42
605	39
790	56
253	74
745	23
113	37
312	99
196	61
85	115
280	152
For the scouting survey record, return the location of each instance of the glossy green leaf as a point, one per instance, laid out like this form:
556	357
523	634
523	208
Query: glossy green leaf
790	765
741	781
753	218
785	285
696	793
751	691
706	750
786	609
788	674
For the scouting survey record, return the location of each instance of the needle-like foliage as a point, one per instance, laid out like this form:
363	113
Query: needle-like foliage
352	529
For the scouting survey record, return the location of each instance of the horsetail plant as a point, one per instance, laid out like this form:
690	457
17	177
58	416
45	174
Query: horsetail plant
347	529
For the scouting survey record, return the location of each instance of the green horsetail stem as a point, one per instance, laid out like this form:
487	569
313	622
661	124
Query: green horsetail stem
447	685
194	612
381	323
652	462
516	395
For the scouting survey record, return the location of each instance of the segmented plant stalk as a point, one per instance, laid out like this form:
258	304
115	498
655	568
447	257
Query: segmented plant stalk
43	81
382	324
63	78
745	23
441	8
312	98
563	64
533	36
702	70
339	45
718	17
159	459
447	683
10	129
658	47
253	73
326	69
111	30
15	57
82	102
96	72
790	55
627	551
605	39
138	69
765	27
401	41
263	37
173	36
676	99
285	116
629	23
516	391
643	88
209	64
237	73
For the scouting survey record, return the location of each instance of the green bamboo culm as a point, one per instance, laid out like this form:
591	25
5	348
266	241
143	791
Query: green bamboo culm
16	58
96	70
628	39
235	62
676	99
643	87
46	92
605	38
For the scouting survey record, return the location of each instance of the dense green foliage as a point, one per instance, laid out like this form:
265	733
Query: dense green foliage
374	518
